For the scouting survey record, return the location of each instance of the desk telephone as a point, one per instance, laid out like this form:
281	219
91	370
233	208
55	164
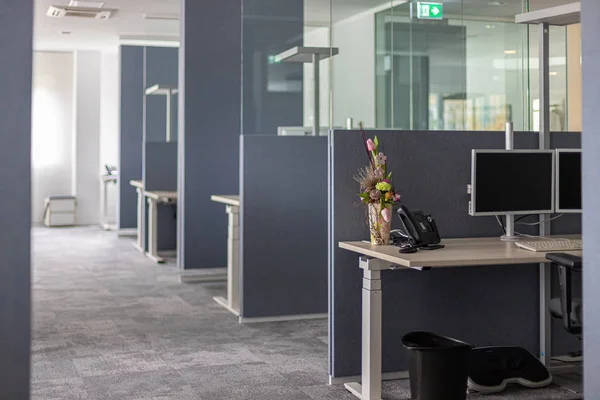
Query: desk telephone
418	231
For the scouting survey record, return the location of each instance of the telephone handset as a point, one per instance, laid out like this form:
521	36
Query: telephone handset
420	230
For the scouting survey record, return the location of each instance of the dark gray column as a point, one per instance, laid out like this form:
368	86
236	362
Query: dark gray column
131	135
16	27
590	13
209	128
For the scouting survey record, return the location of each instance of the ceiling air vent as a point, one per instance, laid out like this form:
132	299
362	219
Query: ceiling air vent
79	12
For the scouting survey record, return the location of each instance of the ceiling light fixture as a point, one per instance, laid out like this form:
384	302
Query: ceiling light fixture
490	26
87	4
497	3
510	52
553	73
161	17
65	32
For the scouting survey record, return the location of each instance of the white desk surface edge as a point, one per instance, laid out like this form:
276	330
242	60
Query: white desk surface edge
231	200
457	253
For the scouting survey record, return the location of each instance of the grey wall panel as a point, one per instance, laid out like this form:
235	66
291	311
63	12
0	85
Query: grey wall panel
16	27
273	94
491	305
131	133
160	166
283	225
209	115
591	193
161	67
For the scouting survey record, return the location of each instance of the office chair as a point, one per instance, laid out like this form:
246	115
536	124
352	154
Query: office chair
567	308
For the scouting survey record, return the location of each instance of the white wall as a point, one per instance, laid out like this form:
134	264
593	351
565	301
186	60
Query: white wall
52	130
86	148
109	123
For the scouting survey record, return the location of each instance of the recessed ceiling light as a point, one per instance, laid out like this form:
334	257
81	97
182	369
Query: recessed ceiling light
497	3
65	32
86	4
553	73
510	52
490	26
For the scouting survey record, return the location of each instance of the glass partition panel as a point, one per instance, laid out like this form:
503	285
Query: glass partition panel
453	65
279	38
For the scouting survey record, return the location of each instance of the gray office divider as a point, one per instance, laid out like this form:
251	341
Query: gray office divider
16	27
160	173
209	127
131	133
495	305
591	193
283	225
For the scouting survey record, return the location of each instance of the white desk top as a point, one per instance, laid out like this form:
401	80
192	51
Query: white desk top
231	200
457	253
109	178
137	184
161	195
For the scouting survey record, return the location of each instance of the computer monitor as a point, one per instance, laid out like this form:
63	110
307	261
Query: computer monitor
568	181
516	182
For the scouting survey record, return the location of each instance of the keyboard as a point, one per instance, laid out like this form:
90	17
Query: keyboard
551	245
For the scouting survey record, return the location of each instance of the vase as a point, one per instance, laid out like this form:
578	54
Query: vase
378	227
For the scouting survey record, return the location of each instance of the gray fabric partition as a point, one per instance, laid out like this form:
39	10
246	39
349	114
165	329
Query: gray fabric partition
485	306
131	133
160	173
16	27
209	116
283	228
591	193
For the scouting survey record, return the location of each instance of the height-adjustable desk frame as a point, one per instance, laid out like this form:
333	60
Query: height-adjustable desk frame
563	15
457	253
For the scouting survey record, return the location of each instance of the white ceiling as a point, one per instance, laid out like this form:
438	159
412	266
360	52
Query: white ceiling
96	34
129	21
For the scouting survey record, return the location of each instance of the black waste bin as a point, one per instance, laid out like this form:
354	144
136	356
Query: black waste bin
438	366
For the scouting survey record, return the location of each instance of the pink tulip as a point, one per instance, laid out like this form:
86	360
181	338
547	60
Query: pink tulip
386	214
370	145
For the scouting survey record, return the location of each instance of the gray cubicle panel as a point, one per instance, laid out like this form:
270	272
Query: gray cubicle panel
131	134
495	305
160	173
16	30
283	218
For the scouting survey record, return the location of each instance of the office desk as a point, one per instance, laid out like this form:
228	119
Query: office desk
155	198
458	253
139	188
105	181
232	208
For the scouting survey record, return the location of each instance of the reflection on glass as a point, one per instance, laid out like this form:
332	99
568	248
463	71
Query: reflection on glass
280	93
474	69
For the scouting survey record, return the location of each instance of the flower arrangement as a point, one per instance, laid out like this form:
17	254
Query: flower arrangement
376	191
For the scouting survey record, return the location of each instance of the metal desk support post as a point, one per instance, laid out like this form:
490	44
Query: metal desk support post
152	231
232	303
544	143
370	387
139	244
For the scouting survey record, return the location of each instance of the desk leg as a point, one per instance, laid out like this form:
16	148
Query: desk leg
545	318
139	244
370	387
232	303
152	231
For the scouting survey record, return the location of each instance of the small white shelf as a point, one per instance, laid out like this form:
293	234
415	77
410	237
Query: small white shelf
161	90
305	55
567	14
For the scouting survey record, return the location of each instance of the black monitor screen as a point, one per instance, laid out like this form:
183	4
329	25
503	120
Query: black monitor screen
513	182
569	181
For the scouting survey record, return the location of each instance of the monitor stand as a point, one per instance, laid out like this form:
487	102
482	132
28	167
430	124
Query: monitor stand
510	236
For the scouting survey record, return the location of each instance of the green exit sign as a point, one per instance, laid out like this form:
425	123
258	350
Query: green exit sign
430	10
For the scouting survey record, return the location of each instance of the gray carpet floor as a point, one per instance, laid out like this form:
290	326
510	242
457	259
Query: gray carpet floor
110	324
